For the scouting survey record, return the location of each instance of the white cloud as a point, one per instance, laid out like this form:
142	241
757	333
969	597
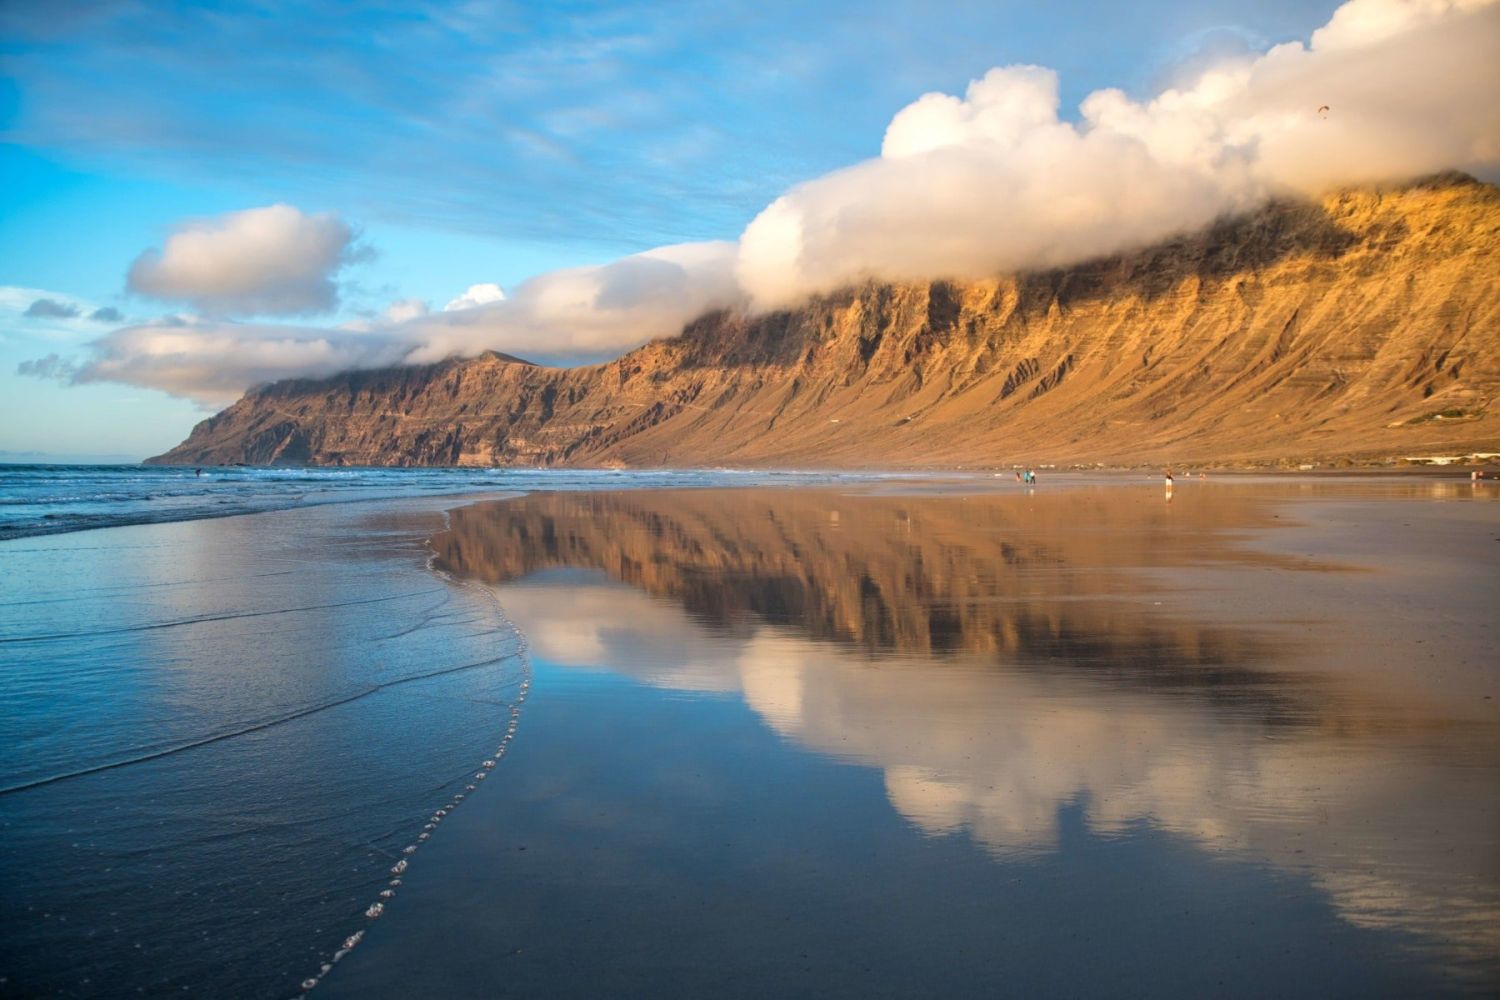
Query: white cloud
588	312
476	295
1370	21
213	362
579	313
404	309
996	181
275	260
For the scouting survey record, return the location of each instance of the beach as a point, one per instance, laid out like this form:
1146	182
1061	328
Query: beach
1079	742
878	738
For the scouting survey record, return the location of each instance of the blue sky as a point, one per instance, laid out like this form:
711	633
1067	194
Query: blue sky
473	142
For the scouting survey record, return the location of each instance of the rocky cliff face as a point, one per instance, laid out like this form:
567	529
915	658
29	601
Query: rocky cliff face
1366	326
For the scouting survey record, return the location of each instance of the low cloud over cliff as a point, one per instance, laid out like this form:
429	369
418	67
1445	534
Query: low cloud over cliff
996	181
964	186
569	314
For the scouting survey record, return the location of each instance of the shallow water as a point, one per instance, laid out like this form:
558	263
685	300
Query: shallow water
879	739
811	743
220	735
50	499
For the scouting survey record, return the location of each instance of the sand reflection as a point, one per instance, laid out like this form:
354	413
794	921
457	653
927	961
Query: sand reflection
1000	658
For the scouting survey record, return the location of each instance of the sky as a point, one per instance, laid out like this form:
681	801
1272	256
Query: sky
200	197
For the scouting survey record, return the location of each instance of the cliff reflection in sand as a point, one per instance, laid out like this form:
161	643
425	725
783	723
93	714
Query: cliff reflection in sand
1000	658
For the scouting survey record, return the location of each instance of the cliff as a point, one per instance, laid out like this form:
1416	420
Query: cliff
1365	326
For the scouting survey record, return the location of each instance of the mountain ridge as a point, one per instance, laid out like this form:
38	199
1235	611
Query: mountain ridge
1361	327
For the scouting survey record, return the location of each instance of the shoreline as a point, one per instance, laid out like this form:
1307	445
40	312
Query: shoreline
722	477
1437	464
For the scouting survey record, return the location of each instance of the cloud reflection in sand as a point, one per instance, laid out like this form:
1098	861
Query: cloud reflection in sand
999	660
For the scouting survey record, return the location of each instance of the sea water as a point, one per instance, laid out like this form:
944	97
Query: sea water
49	499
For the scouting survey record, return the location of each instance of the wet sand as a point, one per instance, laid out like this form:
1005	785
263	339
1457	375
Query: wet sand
220	735
1244	742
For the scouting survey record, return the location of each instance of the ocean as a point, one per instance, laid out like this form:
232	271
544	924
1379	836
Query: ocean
50	499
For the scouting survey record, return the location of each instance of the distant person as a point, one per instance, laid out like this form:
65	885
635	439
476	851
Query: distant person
1019	477
197	472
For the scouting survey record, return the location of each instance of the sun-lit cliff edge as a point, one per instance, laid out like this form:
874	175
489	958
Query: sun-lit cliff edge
1363	327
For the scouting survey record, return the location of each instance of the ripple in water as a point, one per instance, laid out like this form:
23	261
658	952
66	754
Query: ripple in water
231	738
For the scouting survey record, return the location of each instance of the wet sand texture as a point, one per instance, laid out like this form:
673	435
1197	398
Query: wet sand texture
1086	742
220	735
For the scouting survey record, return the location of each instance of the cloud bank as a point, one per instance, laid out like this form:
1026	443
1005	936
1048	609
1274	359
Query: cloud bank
587	312
560	316
476	295
963	187
275	260
996	181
